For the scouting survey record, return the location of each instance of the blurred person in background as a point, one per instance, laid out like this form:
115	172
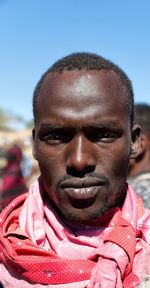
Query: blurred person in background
139	167
12	180
29	165
27	161
3	163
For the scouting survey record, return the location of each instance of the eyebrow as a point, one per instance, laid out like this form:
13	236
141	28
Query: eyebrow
106	124
50	126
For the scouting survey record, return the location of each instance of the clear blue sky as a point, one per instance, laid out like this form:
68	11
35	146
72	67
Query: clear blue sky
35	33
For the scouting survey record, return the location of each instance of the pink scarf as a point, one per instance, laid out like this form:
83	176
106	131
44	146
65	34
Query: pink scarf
103	255
50	232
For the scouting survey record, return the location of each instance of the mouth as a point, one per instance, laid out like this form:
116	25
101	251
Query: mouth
82	193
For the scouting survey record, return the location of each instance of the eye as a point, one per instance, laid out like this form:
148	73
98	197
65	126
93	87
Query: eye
102	136
56	138
107	136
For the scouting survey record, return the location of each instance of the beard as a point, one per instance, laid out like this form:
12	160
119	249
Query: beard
76	214
93	215
95	212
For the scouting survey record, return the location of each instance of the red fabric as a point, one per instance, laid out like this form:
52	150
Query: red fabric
17	250
45	263
121	235
131	281
13	182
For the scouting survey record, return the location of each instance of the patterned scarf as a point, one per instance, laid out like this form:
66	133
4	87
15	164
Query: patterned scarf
40	247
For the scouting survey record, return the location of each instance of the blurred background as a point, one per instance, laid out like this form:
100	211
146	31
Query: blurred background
36	33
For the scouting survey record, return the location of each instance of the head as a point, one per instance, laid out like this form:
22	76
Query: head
14	155
87	62
142	162
84	135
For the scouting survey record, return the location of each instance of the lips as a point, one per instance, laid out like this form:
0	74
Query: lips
82	189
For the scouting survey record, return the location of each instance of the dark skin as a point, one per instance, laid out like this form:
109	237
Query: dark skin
83	142
141	163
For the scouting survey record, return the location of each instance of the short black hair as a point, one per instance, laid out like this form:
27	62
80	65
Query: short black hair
87	61
142	117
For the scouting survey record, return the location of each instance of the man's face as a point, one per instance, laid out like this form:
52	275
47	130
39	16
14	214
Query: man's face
82	142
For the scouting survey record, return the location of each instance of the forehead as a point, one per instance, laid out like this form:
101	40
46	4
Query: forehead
80	91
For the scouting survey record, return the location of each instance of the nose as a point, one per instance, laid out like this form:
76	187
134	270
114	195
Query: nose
81	158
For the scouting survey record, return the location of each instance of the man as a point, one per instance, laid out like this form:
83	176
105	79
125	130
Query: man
139	168
80	225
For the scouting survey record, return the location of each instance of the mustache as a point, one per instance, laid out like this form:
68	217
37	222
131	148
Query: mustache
94	175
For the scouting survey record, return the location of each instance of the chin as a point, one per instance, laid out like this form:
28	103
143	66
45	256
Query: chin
82	217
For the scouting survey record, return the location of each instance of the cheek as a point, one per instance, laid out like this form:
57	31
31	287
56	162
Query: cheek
120	166
117	170
115	162
50	162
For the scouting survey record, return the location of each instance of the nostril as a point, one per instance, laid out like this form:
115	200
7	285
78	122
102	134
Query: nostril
80	173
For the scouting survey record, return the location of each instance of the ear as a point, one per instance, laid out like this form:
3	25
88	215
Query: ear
136	141
144	144
33	144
